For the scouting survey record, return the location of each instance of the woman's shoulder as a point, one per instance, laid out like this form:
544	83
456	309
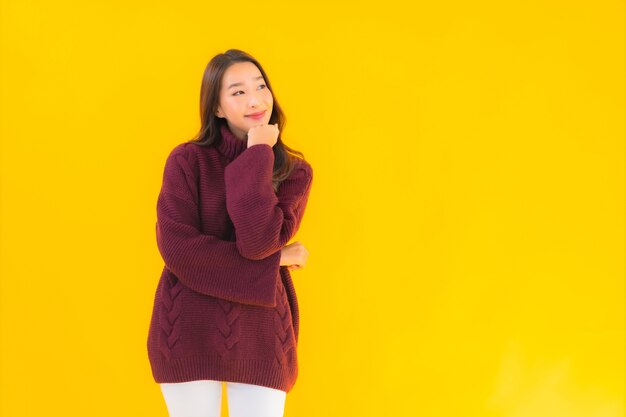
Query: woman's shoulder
303	166
182	158
187	149
301	175
191	152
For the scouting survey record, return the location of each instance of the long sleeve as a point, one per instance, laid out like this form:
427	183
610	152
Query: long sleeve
264	220
202	262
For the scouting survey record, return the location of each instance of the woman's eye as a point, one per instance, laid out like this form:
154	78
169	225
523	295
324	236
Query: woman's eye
235	93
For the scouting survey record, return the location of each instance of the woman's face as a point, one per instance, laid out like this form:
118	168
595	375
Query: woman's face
243	93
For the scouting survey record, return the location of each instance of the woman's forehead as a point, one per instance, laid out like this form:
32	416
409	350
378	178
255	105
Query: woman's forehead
240	73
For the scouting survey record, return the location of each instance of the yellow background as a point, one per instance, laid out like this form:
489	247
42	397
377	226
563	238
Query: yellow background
465	226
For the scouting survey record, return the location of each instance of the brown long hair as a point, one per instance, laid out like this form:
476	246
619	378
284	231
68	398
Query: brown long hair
284	156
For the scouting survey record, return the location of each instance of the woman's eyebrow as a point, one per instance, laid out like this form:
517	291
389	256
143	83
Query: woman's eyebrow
260	77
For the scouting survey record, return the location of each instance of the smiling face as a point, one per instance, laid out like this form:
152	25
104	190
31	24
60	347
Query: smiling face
242	94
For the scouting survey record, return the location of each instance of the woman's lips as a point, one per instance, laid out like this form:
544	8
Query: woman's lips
256	115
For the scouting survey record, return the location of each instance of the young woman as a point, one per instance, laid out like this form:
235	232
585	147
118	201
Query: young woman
225	308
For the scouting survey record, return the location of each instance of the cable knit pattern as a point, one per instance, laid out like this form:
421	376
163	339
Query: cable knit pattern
228	324
224	308
169	316
285	341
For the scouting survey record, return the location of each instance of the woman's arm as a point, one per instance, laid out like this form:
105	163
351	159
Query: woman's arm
203	262
264	221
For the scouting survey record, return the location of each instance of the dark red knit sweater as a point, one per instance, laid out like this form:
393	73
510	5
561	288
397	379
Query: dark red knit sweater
224	308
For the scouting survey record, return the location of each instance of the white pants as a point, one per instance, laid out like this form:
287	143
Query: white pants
204	399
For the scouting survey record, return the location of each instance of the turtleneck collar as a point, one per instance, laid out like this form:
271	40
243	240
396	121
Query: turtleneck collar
230	145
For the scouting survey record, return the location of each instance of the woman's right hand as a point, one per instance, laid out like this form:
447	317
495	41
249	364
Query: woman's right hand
263	134
294	256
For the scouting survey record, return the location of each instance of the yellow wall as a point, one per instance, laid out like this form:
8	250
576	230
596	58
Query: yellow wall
465	228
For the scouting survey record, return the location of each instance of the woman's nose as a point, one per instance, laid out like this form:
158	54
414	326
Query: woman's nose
254	99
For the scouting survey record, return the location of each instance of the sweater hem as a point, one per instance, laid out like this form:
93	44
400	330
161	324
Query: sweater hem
248	371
